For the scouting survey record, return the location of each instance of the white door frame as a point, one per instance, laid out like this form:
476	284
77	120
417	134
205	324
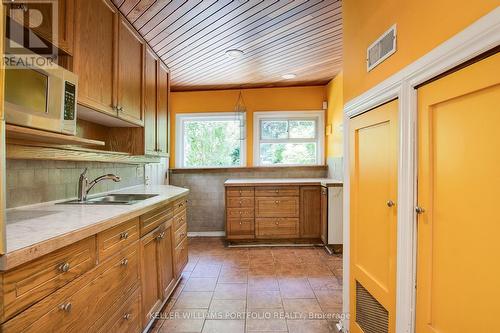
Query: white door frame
481	36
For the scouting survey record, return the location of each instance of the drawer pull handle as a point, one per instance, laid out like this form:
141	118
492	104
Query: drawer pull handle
277	202
241	223
64	267
240	192
124	262
160	236
241	202
277	191
65	307
124	235
277	223
127	316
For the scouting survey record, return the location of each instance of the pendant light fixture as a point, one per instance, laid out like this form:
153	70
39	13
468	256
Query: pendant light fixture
240	115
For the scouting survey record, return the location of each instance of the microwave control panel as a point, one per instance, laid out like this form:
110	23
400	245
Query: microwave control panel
69	101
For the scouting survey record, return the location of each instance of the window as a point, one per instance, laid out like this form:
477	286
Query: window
210	140
289	138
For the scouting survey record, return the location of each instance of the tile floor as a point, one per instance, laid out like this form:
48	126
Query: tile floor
237	290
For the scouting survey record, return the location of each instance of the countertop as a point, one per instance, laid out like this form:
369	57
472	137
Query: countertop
33	231
284	181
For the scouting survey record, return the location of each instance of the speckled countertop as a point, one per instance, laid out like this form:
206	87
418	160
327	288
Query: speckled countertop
33	231
284	181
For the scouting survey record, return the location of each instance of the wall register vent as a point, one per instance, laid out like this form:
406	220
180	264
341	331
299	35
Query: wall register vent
371	316
381	49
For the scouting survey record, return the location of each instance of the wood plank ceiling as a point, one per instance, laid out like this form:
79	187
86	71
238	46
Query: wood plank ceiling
302	37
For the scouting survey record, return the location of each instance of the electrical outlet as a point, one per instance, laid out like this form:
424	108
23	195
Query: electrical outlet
139	171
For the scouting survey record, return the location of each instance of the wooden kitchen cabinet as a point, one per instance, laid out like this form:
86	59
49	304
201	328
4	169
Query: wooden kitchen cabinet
265	212
94	60
150	101
166	257
324	215
130	73
163	113
310	211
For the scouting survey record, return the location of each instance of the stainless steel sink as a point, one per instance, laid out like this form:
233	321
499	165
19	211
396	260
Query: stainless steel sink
112	199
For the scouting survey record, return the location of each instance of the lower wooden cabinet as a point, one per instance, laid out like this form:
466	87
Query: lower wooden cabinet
276	212
109	282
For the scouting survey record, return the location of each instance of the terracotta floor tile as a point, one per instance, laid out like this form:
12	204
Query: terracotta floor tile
206	270
233	275
324	283
309	326
295	288
266	325
305	308
258	299
269	283
182	326
329	299
230	291
233	309
193	300
200	284
224	326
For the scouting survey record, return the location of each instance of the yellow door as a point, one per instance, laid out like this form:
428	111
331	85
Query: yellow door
373	216
458	257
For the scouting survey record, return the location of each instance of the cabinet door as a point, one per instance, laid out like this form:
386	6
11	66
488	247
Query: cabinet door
94	55
324	215
150	270
130	74
150	101
163	110
166	262
310	211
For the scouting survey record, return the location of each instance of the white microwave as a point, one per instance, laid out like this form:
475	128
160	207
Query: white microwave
42	98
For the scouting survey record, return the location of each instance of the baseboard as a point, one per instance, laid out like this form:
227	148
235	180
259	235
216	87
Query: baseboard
207	234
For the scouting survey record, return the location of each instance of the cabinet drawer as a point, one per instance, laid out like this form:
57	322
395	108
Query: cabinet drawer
179	220
35	280
179	205
181	257
277	207
180	234
126	319
244	226
76	307
240	191
154	218
241	202
277	227
275	191
111	241
240	213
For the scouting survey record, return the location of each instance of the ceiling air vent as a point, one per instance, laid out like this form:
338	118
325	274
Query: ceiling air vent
381	49
371	316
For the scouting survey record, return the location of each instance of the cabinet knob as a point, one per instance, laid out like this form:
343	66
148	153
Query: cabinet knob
124	235
64	267
277	191
160	236
65	307
127	316
277	223
124	262
277	202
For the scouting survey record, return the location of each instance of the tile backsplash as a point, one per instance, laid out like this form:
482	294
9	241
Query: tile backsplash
33	181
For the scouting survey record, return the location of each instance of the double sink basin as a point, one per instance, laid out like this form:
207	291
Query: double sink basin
112	199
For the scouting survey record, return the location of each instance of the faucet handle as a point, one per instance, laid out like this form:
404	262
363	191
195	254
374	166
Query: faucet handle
84	173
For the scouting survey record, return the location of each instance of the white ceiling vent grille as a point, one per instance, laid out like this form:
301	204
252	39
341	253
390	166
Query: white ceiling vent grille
381	49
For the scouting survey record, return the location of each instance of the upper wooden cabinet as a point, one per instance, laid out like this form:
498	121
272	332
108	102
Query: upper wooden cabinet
94	54
162	122
130	73
150	101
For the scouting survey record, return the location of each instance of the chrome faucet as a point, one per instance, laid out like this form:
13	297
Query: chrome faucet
84	186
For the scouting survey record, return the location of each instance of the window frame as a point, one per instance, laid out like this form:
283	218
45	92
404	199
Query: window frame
316	115
180	120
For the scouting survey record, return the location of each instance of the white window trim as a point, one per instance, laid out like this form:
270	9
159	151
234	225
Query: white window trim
179	136
320	132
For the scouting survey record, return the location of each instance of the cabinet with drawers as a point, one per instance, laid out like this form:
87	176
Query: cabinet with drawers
256	212
108	282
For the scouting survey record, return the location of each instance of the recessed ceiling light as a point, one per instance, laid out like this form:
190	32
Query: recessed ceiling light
289	76
234	53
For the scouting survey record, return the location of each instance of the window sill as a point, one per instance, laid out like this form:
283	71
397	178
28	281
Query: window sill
247	169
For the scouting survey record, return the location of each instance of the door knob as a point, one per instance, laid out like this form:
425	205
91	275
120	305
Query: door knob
419	210
390	203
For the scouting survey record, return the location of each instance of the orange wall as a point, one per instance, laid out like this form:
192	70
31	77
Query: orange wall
335	116
421	26
256	100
